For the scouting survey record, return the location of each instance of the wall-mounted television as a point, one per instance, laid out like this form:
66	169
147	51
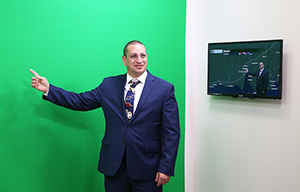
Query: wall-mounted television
245	69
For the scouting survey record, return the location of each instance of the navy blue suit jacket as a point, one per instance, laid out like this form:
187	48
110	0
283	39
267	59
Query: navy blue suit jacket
151	137
262	81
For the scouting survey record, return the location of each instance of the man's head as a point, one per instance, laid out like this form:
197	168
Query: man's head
261	65
135	58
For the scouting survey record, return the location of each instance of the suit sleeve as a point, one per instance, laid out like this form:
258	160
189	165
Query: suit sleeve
76	101
170	134
266	81
253	74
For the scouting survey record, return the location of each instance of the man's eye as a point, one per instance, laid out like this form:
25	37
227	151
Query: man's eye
132	56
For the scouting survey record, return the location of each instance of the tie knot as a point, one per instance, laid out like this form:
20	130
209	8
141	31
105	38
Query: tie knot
134	82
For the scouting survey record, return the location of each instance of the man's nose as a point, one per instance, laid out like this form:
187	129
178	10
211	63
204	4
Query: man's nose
139	59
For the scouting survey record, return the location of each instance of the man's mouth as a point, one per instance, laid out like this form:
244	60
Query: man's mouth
139	66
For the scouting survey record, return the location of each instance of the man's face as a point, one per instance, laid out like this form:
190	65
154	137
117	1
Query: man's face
261	65
135	60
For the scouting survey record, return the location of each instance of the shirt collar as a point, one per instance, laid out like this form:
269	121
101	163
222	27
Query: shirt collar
141	78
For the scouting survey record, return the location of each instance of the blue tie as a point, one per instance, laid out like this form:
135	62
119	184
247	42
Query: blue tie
129	99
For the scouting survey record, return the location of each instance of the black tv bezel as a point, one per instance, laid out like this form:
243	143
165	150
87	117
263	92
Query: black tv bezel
279	97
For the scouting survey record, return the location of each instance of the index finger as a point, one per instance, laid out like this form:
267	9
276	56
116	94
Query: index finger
34	73
159	182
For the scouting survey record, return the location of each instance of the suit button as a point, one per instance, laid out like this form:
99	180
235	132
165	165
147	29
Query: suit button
128	127
124	141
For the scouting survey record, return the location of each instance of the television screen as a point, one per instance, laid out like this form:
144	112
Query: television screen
245	69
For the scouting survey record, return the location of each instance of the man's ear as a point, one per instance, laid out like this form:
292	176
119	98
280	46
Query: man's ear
123	59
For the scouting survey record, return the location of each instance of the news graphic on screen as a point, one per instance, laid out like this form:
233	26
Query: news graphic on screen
245	69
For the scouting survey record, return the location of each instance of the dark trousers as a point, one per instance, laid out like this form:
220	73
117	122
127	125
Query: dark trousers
259	91
121	182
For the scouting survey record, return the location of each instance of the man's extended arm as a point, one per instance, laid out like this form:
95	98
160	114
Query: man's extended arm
80	102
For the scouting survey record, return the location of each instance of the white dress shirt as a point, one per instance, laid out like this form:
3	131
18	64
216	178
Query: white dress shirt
260	72
138	89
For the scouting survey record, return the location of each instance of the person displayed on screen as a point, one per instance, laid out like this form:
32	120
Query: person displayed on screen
262	79
142	131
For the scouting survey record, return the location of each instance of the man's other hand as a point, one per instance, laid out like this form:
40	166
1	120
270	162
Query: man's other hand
161	179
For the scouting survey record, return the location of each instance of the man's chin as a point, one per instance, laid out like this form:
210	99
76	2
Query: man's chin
139	70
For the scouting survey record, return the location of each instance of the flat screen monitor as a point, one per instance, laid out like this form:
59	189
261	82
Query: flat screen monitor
245	69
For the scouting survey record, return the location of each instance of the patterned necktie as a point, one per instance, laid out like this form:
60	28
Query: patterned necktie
129	99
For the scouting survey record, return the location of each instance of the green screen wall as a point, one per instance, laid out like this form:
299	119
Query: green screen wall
75	44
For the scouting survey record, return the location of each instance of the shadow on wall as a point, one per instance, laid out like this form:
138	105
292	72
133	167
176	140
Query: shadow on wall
40	151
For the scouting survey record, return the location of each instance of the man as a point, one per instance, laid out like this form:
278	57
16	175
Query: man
262	79
140	144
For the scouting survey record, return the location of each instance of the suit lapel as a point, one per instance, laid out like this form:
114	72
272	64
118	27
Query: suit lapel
145	93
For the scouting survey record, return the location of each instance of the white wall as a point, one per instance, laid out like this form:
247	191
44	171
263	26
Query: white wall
242	145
